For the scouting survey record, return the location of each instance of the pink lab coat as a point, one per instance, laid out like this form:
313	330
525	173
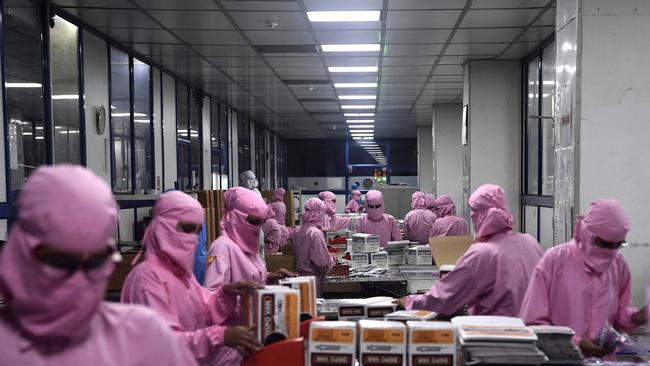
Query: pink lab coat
311	252
195	313
387	228
418	224
491	277
449	226
127	335
564	291
352	206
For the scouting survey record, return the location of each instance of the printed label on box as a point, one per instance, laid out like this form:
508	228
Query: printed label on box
383	336
432	336
333	335
432	360
376	359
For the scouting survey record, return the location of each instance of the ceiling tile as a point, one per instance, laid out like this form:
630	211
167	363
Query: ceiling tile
537	34
418	36
309	61
448	70
211	37
255	20
422	19
301	72
182	19
94	3
352	61
129	35
403	79
348	36
489	35
502	4
408	61
425	4
456	49
261	5
178	5
113	18
499	18
279	37
224	51
412	49
447	78
237	61
401	86
405	70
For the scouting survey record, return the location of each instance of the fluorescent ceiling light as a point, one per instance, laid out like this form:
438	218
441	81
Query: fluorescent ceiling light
361	126
39	138
141	121
113	107
69	132
363	140
358	114
360	106
355	85
362	131
120	114
355	97
366	47
353	68
27	133
23	85
66	97
344	16
139	115
360	121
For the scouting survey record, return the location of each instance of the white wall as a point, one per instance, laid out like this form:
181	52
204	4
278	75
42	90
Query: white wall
448	153
98	153
614	125
207	157
169	130
426	179
494	91
157	129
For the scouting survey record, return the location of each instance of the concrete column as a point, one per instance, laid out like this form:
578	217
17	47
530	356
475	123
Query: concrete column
206	144
611	93
493	98
426	180
169	130
447	152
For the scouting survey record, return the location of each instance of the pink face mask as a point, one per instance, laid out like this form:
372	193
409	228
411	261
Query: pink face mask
314	213
242	205
329	199
245	234
375	205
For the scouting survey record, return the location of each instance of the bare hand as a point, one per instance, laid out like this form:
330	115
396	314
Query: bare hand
241	287
274	277
401	303
640	318
242	339
590	349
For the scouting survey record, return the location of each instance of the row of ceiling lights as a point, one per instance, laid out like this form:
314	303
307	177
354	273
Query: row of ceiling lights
360	129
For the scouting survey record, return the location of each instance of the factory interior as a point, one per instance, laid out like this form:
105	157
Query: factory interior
324	182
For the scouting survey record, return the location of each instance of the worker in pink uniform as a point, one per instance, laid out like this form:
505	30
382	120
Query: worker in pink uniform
333	222
430	201
585	283
377	222
273	234
278	206
419	221
354	206
492	276
447	223
53	273
165	283
310	247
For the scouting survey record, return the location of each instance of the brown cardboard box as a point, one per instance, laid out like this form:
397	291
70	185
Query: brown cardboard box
291	209
275	262
267	196
447	250
121	271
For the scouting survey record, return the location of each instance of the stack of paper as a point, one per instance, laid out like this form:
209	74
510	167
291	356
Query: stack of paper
556	344
495	340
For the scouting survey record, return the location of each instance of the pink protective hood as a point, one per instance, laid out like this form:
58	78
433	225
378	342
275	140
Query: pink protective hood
430	202
165	244
67	208
490	212
356	194
374	198
605	219
278	195
330	201
314	214
418	201
445	206
239	203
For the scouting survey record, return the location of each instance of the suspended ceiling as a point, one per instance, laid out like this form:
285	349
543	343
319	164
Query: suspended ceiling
279	76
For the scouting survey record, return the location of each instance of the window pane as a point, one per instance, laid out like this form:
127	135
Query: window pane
532	126
224	144
530	222
195	138
215	148
64	71
548	157
272	161
375	153
183	138
244	137
143	126
546	227
24	92
548	77
121	121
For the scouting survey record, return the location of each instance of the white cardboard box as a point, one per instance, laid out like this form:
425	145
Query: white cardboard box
382	343
332	343
365	243
379	309
275	312
396	257
379	259
359	259
419	255
431	343
356	309
307	287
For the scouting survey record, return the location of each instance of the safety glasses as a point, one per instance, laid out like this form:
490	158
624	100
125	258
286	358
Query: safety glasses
254	220
609	244
373	206
94	265
188	227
